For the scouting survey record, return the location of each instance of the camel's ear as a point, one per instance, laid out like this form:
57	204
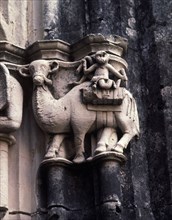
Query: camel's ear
54	66
24	71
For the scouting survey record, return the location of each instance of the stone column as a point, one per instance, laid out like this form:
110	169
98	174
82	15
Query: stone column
81	191
11	109
6	141
66	190
107	185
79	175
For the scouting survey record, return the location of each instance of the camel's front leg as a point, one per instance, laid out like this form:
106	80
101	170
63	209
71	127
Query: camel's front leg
79	148
54	145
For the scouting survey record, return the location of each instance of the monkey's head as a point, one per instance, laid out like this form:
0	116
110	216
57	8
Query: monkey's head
101	57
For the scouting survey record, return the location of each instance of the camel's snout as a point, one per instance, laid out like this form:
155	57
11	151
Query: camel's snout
38	80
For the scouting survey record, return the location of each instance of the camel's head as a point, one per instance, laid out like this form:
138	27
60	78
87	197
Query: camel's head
40	70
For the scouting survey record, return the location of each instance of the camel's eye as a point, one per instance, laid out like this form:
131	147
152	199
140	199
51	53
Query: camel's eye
31	68
43	67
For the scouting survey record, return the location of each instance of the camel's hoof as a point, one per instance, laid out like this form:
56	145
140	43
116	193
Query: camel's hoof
79	158
89	159
50	154
118	148
100	149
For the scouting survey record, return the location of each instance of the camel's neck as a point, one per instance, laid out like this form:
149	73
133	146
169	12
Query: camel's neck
42	91
42	98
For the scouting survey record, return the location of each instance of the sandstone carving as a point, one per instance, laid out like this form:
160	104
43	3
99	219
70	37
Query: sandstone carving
11	105
70	114
11	101
100	69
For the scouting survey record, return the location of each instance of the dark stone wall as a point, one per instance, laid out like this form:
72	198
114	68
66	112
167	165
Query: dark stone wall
146	179
64	21
153	21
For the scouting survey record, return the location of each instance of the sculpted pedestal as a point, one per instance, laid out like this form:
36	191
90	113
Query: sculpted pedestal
5	142
69	189
89	118
107	186
89	191
11	108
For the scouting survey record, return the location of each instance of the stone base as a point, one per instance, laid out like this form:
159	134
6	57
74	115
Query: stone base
89	191
6	140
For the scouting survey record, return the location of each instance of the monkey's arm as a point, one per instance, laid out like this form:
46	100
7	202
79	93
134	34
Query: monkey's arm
90	69
116	73
83	78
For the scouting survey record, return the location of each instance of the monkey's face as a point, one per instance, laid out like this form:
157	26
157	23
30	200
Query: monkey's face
101	57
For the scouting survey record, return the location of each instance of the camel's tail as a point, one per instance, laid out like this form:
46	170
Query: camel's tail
132	113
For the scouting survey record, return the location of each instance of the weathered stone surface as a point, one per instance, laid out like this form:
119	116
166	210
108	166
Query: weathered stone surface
61	117
61	22
88	191
14	17
146	177
21	23
56	49
116	46
92	43
5	142
154	37
69	115
12	99
11	53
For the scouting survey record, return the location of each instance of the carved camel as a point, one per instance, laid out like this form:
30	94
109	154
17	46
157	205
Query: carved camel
70	114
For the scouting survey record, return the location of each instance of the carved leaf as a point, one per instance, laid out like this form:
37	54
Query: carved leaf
4	76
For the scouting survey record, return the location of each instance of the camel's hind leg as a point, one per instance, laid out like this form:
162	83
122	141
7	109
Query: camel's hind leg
126	126
103	141
54	145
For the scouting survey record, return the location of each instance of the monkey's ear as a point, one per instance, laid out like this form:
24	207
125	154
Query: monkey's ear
4	86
